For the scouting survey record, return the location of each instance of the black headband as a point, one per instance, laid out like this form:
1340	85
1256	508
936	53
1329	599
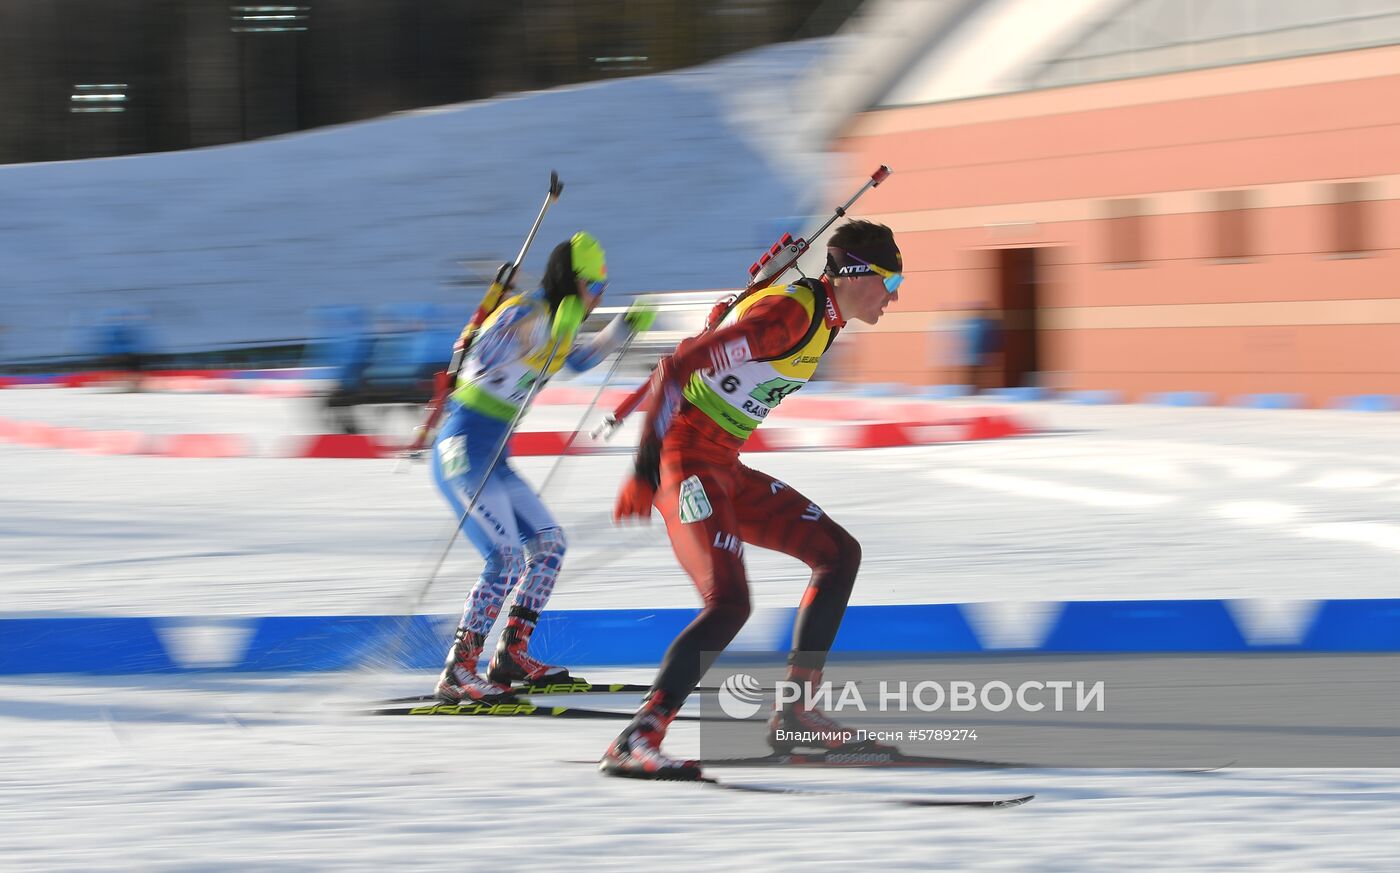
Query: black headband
852	262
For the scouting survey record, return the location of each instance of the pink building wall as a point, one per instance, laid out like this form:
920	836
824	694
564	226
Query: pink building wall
1253	300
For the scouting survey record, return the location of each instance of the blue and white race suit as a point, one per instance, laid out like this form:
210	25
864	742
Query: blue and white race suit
508	523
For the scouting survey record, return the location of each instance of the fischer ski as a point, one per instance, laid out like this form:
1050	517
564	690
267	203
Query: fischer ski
577	686
515	709
519	709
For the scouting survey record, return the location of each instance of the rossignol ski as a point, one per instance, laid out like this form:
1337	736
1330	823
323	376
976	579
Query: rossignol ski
896	800
813	791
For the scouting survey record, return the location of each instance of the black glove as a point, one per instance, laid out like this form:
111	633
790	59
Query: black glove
648	463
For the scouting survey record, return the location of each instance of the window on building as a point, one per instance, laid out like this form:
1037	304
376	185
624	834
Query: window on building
1123	221
1230	242
1350	218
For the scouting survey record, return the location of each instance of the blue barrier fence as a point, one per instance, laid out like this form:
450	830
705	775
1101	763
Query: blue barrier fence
120	645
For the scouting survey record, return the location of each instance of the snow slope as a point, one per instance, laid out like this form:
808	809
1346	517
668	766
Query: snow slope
681	175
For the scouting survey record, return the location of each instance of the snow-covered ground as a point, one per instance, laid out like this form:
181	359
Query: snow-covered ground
218	772
187	775
1107	503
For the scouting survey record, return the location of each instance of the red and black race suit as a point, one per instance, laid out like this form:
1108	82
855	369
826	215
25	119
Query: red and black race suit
744	506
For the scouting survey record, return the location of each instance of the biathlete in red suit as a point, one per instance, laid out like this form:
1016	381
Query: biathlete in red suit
705	401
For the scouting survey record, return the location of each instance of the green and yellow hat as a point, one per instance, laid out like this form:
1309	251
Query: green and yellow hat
589	261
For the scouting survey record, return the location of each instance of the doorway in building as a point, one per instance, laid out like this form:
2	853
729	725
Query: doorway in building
1016	275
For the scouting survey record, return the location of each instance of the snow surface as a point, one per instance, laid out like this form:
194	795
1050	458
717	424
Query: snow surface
227	772
1108	503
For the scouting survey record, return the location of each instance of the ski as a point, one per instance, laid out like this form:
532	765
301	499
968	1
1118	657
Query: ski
518	709
884	757
803	790
895	759
872	757
577	686
511	709
897	800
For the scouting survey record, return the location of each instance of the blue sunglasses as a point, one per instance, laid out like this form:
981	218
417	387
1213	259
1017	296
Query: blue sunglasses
892	280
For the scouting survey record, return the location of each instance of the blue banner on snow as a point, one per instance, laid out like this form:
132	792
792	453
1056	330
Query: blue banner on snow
639	637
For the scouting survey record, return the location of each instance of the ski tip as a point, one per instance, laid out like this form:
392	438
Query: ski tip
1213	768
1002	803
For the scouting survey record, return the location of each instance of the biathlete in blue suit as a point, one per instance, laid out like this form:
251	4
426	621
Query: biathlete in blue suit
528	339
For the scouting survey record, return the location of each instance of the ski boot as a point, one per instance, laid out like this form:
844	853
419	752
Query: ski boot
636	753
459	682
795	727
512	662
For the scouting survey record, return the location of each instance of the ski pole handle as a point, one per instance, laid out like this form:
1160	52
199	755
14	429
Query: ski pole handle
505	276
785	252
628	406
555	189
607	428
874	181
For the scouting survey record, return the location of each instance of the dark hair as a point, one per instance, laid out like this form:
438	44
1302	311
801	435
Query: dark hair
861	237
559	281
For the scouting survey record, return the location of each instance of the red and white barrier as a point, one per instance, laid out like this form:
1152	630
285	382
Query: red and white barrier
202	445
928	429
337	445
173	382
